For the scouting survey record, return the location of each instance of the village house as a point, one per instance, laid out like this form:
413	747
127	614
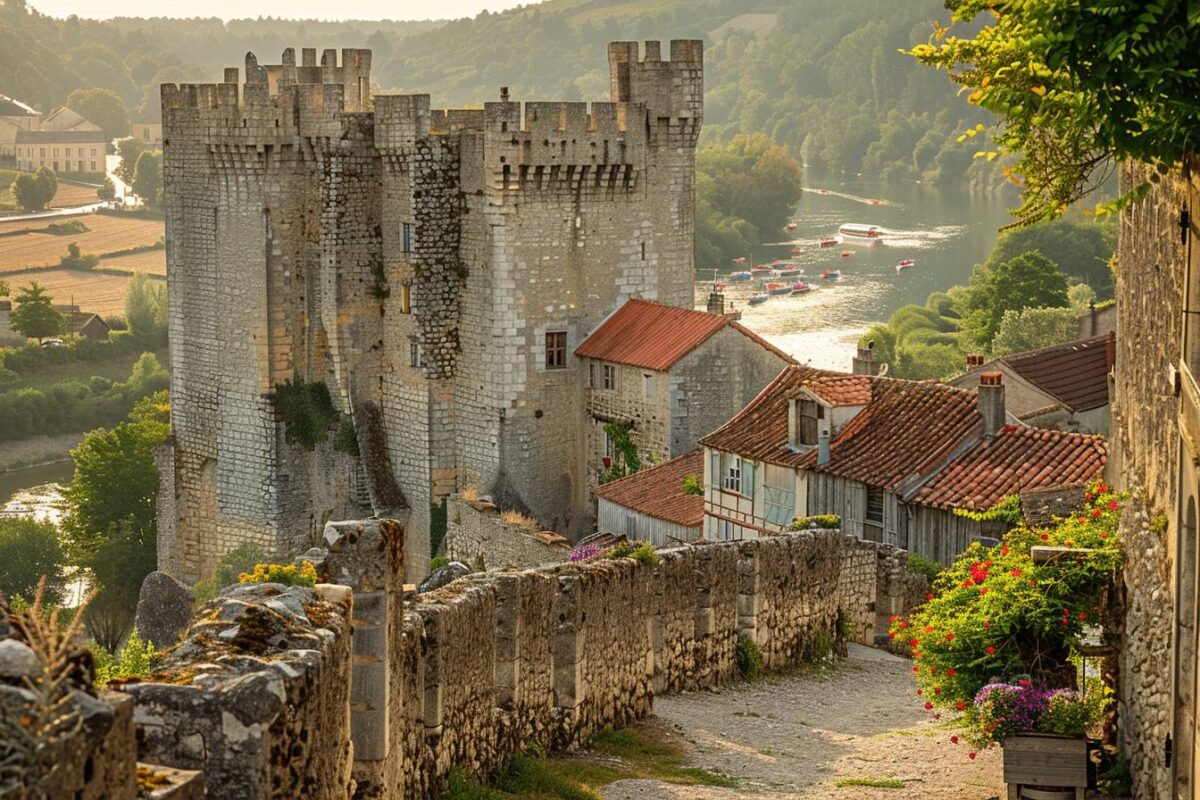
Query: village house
148	132
1064	386
669	375
14	116
893	459
653	505
62	151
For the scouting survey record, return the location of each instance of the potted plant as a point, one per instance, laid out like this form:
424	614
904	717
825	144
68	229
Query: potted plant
997	612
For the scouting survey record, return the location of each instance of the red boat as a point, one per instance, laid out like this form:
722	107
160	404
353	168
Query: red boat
801	288
791	226
874	202
796	251
846	254
739	261
908	262
829	242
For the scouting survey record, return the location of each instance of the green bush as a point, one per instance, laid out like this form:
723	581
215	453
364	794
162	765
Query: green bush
923	565
346	440
307	411
641	552
692	485
749	659
67	228
438	562
30	549
820	649
821	521
135	660
232	564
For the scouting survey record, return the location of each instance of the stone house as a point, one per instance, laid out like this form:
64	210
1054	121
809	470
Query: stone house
671	374
894	459
148	132
1099	320
1064	386
1156	453
651	505
434	270
64	119
71	150
14	116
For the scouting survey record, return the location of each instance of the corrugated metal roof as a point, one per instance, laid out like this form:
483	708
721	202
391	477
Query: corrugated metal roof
650	335
658	491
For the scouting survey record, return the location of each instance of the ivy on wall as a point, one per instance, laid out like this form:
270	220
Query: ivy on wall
307	411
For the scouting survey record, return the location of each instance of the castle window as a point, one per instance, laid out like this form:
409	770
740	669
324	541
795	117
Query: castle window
807	414
406	244
591	376
405	299
556	350
610	376
643	251
414	354
648	385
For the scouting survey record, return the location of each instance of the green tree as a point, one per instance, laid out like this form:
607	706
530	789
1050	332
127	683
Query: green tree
147	177
101	107
76	259
1027	281
34	316
129	150
29	549
34	192
146	309
1031	328
107	191
109	526
1081	250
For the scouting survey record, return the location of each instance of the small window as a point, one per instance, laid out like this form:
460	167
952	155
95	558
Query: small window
407	237
405	298
874	510
610	376
556	350
414	354
591	376
610	447
807	413
731	478
648	386
643	251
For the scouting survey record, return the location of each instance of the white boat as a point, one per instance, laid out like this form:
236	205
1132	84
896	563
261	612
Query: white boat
758	299
856	231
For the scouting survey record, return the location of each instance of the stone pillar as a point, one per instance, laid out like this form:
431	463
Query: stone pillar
749	593
368	557
568	658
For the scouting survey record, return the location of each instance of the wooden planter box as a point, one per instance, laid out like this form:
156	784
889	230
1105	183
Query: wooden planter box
1044	760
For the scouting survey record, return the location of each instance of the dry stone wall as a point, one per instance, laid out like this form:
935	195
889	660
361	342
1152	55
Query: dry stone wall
476	535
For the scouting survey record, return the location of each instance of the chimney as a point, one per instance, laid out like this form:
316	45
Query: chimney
1095	321
991	403
974	360
864	361
716	302
503	94
823	448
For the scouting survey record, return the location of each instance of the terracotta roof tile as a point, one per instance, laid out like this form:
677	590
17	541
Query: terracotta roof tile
656	336
1076	373
658	491
1017	460
847	390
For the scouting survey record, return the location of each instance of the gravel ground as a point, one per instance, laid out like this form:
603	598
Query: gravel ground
796	736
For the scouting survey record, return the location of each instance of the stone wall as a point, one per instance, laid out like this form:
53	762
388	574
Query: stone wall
476	535
1145	441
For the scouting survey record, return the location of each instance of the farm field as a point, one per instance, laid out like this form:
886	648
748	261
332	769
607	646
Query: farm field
98	293
106	234
66	196
152	262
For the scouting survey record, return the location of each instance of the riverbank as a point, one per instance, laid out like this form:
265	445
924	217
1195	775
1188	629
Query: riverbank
37	451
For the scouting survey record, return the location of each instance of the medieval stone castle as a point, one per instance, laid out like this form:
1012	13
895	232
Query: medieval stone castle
432	269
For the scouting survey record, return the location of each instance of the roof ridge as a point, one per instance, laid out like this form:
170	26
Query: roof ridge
1054	347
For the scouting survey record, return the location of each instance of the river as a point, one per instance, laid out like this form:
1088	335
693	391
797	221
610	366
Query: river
944	230
34	491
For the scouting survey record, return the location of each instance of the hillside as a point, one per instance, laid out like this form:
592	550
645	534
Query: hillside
824	80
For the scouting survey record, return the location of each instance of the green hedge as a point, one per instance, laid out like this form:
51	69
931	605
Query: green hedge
32	358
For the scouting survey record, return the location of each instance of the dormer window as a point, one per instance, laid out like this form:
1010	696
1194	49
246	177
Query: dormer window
808	414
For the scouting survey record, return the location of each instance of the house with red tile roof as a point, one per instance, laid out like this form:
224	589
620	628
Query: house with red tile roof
653	505
1064	386
662	376
893	458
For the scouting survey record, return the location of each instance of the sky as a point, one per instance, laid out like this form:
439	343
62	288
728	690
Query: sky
291	9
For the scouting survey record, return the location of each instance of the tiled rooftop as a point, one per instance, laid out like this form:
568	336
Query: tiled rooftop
656	336
658	491
1076	373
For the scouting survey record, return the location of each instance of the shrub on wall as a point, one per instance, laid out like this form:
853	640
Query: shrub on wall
307	411
830	522
288	574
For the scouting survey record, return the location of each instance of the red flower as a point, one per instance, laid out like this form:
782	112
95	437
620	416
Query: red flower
893	618
1069	543
1112	505
916	671
960	705
953	740
1045	537
1103	534
913	642
903	624
1004	550
968	583
933	670
1066	621
920	692
1096	512
891	634
987	623
949	637
929	596
928	706
1082	615
1066	611
950	672
991	650
1083	519
937	690
971	756
1016	573
982	590
1024	683
937	716
929	629
1102	488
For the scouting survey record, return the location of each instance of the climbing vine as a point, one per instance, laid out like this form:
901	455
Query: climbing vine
307	411
627	461
1079	88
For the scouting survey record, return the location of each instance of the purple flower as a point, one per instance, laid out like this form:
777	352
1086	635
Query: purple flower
584	553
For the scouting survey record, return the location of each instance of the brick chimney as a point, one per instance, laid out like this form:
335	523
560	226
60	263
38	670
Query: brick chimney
864	362
991	403
974	360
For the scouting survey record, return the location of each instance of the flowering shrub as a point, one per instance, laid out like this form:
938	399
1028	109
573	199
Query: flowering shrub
287	574
584	552
641	552
996	613
1001	710
824	521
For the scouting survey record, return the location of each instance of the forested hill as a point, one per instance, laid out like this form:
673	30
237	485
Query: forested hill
823	79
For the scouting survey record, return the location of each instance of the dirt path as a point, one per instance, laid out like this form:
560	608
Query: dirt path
798	736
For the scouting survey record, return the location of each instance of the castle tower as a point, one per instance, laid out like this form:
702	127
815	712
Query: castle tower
431	271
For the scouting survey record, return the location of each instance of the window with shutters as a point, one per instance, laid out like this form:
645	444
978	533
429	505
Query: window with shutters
731	473
874	511
808	416
556	350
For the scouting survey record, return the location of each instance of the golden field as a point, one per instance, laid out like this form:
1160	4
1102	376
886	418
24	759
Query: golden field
152	262
98	293
106	234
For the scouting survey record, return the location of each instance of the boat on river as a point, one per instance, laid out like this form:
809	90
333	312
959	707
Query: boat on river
778	289
801	288
856	231
740	277
905	264
788	272
759	299
831	275
828	241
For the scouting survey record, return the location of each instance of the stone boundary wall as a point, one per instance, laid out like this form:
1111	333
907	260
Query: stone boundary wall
477	536
363	690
